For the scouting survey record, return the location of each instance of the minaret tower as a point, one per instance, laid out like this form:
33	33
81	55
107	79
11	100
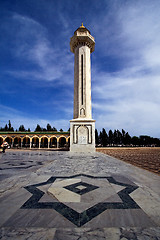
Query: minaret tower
82	127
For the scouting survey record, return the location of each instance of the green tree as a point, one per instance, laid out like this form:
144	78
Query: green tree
38	128
54	129
61	130
110	135
119	137
104	138
135	141
127	139
22	128
6	128
49	128
156	141
100	138
9	125
145	140
115	140
123	135
96	137
10	128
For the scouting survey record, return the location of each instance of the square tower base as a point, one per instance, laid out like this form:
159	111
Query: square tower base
82	135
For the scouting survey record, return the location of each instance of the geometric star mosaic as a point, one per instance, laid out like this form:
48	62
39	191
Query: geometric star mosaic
68	193
81	188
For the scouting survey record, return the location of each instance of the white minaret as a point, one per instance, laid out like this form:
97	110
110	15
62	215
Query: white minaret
82	127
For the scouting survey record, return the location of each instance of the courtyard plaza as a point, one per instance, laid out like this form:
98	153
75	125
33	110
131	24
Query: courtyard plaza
62	195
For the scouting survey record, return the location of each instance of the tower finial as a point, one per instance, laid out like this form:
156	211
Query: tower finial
82	26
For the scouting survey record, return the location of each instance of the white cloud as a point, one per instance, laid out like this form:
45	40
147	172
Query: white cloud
140	31
33	47
128	102
18	118
130	98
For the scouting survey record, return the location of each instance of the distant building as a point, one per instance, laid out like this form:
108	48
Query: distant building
36	139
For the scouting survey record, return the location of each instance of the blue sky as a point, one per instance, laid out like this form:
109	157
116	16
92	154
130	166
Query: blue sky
37	67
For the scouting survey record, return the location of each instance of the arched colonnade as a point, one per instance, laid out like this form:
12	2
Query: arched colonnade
36	141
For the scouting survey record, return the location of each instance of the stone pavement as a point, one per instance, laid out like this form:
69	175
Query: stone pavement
60	195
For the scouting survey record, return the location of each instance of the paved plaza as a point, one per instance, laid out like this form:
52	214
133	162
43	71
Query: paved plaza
61	195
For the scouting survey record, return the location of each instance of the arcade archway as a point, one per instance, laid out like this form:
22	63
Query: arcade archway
26	142
9	141
35	142
1	141
44	142
17	142
53	142
62	142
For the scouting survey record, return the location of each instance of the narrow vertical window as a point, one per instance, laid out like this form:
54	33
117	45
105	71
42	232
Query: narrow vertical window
82	79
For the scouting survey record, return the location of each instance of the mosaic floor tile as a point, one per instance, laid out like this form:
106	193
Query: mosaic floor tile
84	188
80	200
122	197
38	218
78	215
63	195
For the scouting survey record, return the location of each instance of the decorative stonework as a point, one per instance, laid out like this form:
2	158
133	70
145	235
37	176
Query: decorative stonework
82	37
82	137
80	198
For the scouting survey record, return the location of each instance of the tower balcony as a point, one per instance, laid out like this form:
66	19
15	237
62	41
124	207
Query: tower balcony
82	36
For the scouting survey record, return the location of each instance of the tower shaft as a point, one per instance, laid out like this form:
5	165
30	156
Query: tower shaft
82	83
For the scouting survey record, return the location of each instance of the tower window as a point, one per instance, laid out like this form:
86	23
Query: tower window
82	79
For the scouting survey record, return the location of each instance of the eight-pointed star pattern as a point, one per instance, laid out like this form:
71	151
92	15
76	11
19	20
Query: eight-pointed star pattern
78	188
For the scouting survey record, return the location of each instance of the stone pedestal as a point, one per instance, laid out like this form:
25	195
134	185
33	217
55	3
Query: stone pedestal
82	135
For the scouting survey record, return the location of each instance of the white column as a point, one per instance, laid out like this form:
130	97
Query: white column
82	127
82	83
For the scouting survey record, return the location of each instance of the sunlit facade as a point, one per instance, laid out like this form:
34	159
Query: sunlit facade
36	139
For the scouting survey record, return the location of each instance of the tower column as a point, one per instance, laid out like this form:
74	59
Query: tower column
82	127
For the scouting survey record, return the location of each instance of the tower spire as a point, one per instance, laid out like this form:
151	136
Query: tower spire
82	25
